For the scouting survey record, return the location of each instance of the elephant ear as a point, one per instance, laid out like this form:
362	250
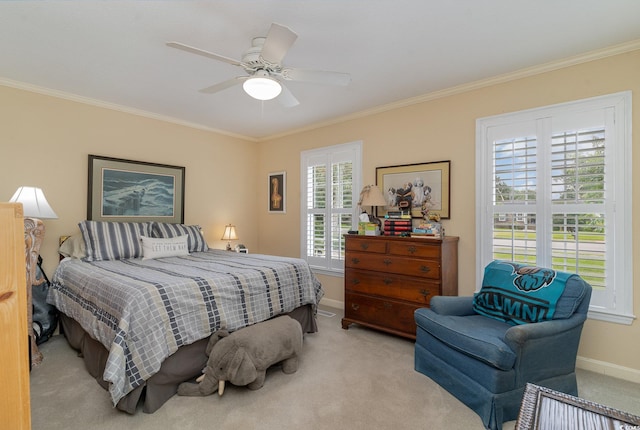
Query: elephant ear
214	338
242	369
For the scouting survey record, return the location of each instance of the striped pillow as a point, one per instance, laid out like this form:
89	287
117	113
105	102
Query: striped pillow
195	239
113	240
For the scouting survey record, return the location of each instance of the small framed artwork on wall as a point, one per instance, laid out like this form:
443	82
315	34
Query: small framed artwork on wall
277	183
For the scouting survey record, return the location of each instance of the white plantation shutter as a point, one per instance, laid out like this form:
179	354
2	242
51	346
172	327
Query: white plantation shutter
554	190
330	180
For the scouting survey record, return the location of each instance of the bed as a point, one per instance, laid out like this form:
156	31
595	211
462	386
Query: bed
141	316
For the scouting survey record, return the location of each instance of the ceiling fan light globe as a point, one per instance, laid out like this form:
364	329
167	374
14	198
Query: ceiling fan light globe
262	88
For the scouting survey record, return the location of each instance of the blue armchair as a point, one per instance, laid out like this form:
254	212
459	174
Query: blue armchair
485	349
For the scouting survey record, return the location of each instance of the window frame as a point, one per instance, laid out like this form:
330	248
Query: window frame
330	265
616	305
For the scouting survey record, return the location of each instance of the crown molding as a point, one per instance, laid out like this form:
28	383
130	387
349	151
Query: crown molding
447	92
470	86
116	107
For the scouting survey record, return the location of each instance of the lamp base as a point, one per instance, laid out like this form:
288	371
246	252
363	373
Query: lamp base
228	246
33	235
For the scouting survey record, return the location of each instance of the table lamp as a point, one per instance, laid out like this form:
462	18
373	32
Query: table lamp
35	208
372	196
229	235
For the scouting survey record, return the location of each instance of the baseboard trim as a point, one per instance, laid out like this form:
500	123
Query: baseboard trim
337	304
603	367
609	369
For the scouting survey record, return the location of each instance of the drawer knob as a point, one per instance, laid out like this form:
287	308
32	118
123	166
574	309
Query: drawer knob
355	306
387	305
355	260
424	292
364	246
412	249
387	261
425	269
387	281
355	281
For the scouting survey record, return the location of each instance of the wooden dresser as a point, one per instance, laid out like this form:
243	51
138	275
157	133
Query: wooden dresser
387	278
15	403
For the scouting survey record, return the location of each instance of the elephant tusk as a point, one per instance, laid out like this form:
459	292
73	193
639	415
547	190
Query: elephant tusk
220	387
200	378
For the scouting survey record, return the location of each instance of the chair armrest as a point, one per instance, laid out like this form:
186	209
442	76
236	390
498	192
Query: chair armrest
517	336
452	305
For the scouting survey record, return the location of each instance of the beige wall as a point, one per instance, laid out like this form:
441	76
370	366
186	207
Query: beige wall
444	129
45	142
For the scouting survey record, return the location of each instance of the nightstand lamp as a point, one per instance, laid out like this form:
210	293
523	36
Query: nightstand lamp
372	196
229	235
35	208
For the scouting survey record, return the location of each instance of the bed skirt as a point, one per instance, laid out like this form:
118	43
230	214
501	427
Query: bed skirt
183	365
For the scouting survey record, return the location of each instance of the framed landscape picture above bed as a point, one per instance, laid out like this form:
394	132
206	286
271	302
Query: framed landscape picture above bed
134	191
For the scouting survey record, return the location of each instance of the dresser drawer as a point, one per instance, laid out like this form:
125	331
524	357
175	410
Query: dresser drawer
392	286
366	245
413	249
381	313
393	264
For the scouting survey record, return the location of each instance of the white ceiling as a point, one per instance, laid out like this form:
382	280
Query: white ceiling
114	52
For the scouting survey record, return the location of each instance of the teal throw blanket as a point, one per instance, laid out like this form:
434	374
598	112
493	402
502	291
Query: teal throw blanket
518	293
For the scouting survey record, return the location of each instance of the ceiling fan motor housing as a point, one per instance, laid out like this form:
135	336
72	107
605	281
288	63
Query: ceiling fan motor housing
252	61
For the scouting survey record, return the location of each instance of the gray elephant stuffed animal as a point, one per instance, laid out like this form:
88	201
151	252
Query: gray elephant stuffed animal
244	356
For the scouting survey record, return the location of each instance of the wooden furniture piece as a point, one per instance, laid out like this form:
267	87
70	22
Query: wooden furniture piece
544	408
387	278
15	409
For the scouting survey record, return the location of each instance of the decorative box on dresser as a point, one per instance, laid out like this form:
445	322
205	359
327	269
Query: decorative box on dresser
386	278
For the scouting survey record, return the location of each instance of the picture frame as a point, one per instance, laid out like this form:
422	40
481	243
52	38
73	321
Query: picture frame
540	405
409	187
134	191
277	195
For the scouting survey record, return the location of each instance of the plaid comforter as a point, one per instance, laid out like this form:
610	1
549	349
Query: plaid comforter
142	311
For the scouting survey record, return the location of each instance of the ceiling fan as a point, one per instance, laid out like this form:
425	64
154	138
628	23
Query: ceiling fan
265	72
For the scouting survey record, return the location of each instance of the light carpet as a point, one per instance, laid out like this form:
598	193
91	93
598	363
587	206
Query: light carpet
353	379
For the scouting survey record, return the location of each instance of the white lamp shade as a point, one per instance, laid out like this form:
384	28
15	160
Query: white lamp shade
262	88
34	203
372	196
229	232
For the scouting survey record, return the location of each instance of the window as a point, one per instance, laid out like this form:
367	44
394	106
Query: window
330	184
554	189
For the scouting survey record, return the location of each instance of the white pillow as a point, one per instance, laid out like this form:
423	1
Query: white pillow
164	247
73	247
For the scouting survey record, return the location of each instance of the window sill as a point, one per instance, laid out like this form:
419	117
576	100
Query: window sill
603	315
327	272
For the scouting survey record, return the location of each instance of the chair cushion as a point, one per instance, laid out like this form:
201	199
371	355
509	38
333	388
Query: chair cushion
475	335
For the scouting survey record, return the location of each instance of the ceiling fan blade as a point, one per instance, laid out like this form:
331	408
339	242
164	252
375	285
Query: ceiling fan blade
316	76
286	98
202	52
224	85
277	43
